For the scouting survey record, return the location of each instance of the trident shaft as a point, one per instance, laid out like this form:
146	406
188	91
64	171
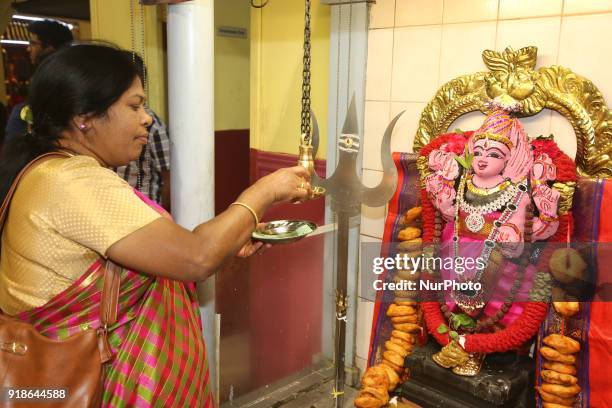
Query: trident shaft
347	195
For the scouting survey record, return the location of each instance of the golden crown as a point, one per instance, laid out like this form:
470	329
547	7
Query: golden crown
494	137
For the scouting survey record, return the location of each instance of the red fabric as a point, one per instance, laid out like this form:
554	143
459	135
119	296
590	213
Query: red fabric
600	329
392	215
394	202
600	338
605	222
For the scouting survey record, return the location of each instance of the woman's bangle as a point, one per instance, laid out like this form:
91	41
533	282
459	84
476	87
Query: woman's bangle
252	211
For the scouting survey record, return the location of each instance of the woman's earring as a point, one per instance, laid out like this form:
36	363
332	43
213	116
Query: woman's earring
82	126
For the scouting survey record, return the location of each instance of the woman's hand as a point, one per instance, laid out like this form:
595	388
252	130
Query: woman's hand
195	255
252	248
287	184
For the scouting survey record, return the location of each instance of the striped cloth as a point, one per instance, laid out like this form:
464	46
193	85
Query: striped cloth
160	356
591	325
406	196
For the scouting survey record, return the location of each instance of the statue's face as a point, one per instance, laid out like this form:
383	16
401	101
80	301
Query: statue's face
490	158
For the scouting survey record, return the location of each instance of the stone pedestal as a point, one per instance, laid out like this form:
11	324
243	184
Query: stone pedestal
506	380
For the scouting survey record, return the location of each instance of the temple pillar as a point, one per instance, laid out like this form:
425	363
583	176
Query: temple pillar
348	54
191	119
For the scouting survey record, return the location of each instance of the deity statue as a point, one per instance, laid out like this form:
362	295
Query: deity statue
487	195
500	198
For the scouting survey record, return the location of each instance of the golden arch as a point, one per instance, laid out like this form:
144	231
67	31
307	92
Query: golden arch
513	73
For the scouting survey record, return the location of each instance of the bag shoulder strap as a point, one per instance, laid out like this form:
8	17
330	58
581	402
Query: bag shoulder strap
11	192
108	307
111	276
110	294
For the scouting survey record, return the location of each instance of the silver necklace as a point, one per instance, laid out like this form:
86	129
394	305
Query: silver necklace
474	299
475	220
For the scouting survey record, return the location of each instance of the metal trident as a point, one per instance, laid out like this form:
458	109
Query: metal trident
344	186
347	194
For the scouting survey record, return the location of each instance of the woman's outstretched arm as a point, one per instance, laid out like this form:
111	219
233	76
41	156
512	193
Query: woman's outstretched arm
164	248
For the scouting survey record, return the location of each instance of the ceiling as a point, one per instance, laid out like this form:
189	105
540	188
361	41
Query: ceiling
75	9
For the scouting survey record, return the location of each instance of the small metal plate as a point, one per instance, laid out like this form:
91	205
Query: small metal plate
283	231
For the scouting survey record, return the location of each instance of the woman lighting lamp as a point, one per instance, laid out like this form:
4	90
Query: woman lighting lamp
70	213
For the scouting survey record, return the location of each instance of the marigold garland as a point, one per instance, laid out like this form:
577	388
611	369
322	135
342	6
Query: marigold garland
527	324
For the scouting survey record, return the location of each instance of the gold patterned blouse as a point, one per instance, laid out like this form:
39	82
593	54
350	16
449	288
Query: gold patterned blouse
65	214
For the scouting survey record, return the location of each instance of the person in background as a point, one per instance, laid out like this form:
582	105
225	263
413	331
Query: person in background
2	123
46	37
150	173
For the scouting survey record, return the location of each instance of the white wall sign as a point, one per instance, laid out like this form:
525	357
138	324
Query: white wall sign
236	32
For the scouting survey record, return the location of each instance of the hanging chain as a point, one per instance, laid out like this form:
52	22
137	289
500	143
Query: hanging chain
145	157
132	34
145	82
305	123
142	42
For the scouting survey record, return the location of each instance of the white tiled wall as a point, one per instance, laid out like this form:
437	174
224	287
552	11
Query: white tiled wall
365	311
415	46
529	8
586	6
462	46
383	15
462	11
541	32
416	57
585	46
418	12
380	62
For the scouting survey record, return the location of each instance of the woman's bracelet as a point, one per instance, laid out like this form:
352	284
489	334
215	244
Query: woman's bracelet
252	211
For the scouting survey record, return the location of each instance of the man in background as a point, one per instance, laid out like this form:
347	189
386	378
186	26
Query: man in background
46	37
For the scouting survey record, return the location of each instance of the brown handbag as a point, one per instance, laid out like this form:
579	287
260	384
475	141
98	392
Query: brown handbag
38	371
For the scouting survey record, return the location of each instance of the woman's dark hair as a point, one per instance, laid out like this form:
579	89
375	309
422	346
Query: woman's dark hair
83	79
140	65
